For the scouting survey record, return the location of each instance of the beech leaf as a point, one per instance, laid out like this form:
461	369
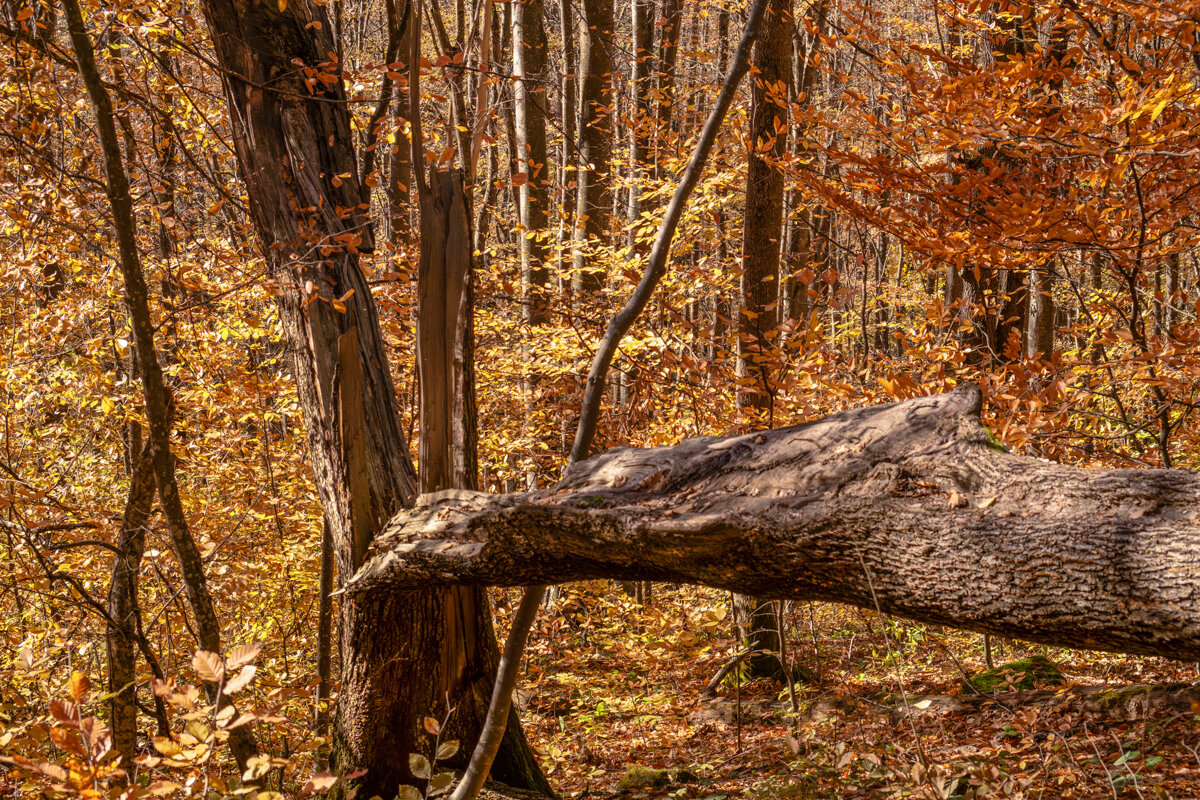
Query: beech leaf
209	666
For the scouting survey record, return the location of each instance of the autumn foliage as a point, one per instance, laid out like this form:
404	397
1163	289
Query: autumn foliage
994	192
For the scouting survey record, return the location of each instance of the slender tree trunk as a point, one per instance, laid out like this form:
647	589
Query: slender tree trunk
447	457
529	73
123	607
593	198
760	271
324	631
568	159
1040	333
764	209
668	58
803	259
157	397
642	12
399	188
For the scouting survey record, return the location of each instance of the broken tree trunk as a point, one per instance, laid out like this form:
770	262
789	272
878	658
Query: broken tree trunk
911	507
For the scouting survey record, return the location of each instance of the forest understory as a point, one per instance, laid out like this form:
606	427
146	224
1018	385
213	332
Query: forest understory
613	685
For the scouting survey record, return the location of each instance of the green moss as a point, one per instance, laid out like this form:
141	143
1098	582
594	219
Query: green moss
994	441
1025	673
1114	698
639	777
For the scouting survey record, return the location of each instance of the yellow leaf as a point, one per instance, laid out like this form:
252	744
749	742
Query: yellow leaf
282	6
1158	109
167	746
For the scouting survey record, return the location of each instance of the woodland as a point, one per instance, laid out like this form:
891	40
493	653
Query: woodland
807	385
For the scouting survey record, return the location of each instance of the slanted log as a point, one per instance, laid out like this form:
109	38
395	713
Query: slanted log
912	508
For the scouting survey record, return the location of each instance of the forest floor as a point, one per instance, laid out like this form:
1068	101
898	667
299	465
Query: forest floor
612	685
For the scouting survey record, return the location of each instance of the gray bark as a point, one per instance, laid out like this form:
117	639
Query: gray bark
910	506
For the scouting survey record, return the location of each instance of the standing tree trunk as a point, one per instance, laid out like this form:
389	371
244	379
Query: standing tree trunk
805	253
447	457
668	58
593	199
1040	335
294	147
123	602
641	12
569	151
760	270
764	209
529	94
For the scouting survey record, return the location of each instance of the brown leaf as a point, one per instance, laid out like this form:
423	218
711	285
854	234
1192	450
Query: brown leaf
64	711
67	739
97	735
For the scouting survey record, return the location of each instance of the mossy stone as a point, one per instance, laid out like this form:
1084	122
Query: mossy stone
1024	673
639	777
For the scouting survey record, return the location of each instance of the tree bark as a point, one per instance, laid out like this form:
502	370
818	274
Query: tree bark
1039	337
529	95
123	606
761	237
448	445
642	28
593	206
911	506
764	209
292	136
668	58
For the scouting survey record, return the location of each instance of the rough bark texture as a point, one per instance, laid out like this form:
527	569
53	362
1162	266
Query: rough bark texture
761	236
400	653
529	95
668	57
448	444
123	609
910	505
764	207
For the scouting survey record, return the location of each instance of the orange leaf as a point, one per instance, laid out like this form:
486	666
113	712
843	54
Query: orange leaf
80	686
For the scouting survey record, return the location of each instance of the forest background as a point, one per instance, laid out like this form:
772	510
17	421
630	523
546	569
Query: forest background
905	197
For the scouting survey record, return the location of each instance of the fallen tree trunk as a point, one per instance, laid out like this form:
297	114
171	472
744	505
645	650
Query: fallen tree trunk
911	508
